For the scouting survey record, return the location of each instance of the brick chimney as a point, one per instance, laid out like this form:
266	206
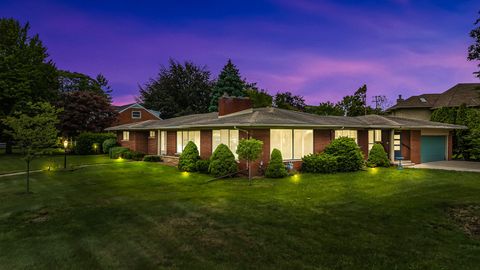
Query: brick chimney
228	105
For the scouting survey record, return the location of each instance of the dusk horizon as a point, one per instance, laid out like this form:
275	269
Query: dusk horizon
321	51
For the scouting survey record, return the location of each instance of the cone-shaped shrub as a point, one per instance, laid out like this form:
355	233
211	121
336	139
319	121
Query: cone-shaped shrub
275	168
348	154
378	157
222	162
188	159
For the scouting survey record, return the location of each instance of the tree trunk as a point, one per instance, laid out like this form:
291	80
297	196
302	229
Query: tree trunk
249	172
28	176
8	147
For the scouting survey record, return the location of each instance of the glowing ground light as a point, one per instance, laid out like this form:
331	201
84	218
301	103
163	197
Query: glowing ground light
373	170
119	159
295	178
185	174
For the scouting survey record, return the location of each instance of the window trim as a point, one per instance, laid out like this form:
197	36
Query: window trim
123	135
356	134
229	140
374	141
292	158
188	140
150	134
135	117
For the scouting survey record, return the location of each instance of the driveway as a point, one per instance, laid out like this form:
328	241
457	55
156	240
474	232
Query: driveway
451	165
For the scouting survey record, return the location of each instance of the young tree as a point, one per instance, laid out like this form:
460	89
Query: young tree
26	74
230	82
85	111
33	132
289	101
474	49
179	89
249	150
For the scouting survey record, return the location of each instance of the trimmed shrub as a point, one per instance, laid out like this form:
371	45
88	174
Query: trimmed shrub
116	152
276	168
85	142
188	159
319	163
107	144
133	155
348	154
152	158
222	162
378	157
202	165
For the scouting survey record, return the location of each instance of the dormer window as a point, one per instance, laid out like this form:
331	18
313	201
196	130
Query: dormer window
136	114
423	100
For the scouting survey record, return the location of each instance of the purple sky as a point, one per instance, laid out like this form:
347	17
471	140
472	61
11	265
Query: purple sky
322	50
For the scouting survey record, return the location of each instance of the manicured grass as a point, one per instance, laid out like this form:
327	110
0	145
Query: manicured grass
149	216
16	163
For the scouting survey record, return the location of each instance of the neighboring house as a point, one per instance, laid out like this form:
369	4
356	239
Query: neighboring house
134	113
295	134
421	107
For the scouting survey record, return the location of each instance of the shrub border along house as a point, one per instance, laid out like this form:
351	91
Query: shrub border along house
295	134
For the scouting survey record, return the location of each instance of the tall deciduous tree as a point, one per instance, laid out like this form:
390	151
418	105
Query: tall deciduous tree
229	82
26	73
287	100
34	131
326	108
355	104
179	89
474	49
85	111
260	98
75	81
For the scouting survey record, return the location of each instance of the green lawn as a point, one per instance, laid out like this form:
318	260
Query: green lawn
16	163
149	216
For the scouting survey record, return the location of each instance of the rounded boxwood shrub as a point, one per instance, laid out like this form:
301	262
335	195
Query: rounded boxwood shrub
152	158
117	151
107	144
348	154
222	162
276	168
202	165
188	159
85	142
378	157
133	155
319	163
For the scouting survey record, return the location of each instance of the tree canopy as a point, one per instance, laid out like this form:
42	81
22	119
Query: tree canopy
474	49
289	101
229	82
179	89
260	98
75	81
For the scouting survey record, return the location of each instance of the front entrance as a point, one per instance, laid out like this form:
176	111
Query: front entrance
397	145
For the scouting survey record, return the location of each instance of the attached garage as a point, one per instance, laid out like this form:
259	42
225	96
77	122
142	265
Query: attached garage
433	148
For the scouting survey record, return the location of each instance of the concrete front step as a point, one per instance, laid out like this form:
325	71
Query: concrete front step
405	163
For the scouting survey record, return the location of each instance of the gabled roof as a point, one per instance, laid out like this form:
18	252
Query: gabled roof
462	93
122	108
274	117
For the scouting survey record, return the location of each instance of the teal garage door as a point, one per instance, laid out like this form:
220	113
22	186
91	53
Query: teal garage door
432	148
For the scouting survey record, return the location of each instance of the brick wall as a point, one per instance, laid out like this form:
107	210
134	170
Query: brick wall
205	144
450	145
321	138
386	140
140	143
125	117
153	144
171	143
264	136
405	140
363	141
415	136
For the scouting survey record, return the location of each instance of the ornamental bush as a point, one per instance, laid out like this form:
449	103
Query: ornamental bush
348	154
85	142
117	151
222	162
152	158
276	168
188	159
378	157
107	144
202	165
133	155
319	163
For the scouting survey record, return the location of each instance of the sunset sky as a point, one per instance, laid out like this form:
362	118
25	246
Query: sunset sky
322	50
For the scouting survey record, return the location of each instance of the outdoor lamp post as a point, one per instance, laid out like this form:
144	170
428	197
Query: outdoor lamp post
65	145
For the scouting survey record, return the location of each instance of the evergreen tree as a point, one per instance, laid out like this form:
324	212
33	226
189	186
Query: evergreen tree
229	82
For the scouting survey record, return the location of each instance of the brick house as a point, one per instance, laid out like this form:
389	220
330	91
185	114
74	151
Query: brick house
134	113
295	134
421	106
